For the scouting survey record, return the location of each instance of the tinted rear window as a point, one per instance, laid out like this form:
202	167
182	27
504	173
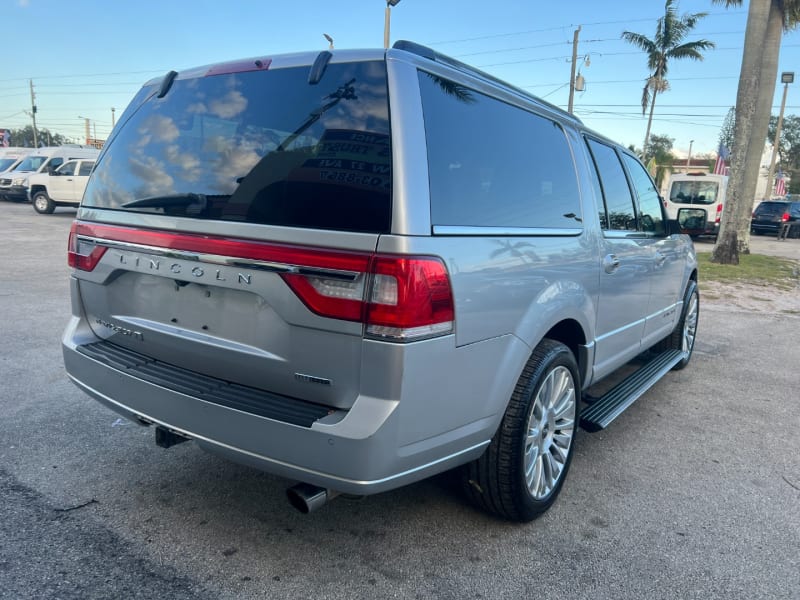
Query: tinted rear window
260	147
772	208
694	192
493	164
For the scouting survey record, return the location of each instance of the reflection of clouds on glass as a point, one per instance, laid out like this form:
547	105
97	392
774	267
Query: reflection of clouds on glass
230	105
188	164
159	128
105	188
197	108
231	163
153	175
370	108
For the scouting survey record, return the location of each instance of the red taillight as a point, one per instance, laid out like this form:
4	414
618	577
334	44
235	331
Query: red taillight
82	255
400	298
410	298
719	213
397	297
785	217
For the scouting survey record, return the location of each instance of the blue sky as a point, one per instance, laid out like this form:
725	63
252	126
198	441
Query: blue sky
88	56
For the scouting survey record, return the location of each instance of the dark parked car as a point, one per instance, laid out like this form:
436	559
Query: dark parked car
771	214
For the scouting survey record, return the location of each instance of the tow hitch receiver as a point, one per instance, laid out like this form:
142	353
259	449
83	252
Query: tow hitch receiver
167	438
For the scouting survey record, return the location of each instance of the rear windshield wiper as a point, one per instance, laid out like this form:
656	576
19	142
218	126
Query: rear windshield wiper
167	201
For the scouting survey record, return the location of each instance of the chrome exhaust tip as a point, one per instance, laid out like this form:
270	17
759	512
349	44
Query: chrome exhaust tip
307	498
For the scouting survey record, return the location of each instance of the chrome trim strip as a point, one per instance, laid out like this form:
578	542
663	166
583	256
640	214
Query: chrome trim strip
505	231
620	329
218	259
639	322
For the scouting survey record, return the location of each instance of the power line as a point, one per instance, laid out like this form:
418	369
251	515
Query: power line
571	26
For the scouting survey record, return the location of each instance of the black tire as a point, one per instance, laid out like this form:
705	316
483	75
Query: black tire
683	336
497	481
42	203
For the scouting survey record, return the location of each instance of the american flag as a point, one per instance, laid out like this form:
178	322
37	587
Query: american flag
780	184
722	155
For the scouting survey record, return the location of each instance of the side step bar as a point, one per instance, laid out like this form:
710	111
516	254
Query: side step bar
612	404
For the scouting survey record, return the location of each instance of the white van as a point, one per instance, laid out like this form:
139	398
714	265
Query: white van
697	190
14	184
11	157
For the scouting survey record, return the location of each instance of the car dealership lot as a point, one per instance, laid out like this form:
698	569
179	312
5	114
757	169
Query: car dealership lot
693	493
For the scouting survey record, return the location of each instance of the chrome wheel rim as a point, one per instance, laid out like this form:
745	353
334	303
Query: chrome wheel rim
690	324
551	427
40	202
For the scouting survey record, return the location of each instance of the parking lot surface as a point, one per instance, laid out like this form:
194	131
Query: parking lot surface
693	493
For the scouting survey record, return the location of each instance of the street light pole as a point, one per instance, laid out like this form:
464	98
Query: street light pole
689	157
387	20
787	77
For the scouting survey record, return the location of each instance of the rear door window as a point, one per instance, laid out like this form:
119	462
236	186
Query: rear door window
86	168
619	210
494	164
260	147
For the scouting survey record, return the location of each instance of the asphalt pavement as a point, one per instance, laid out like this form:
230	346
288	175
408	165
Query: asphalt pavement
693	493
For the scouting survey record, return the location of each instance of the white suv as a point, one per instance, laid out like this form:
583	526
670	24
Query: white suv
62	187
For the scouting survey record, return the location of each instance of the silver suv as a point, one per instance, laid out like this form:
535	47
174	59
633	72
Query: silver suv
358	269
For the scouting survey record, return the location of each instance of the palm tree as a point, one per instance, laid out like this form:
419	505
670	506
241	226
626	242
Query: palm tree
766	21
668	43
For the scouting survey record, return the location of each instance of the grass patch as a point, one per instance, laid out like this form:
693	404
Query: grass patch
753	270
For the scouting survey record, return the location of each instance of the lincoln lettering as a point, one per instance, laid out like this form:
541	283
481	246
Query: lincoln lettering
176	268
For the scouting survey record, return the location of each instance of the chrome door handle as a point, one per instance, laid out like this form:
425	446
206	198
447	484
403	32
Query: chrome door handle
610	263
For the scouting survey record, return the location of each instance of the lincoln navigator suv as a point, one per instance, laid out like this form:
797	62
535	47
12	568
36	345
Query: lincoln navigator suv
357	269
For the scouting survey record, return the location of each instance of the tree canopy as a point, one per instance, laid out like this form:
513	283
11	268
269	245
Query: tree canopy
23	137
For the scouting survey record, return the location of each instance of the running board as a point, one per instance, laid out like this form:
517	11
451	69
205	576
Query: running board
605	409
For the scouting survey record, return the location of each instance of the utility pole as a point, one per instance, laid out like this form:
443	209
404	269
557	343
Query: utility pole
88	130
113	122
689	157
33	116
387	20
572	69
787	77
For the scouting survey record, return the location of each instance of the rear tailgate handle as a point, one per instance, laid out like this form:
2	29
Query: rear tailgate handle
610	263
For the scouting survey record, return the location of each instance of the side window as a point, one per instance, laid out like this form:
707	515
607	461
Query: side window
68	168
651	219
54	164
620	214
86	168
493	164
598	193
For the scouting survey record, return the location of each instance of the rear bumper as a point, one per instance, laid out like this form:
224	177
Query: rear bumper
377	445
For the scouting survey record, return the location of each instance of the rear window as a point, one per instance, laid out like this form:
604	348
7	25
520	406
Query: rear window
258	147
772	208
493	164
694	192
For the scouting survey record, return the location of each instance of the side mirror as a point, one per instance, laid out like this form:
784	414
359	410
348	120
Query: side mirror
691	221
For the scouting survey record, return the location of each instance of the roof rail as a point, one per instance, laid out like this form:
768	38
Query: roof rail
435	56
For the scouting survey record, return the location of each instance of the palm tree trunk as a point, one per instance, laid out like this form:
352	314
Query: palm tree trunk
649	121
745	159
770	52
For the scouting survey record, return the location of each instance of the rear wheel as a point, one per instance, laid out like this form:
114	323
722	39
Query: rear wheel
522	471
42	203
